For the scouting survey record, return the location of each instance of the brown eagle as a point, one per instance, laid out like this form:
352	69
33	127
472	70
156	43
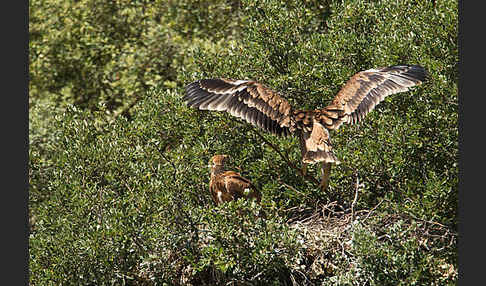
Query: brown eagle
268	110
226	186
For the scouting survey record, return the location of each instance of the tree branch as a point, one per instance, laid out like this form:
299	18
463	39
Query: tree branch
287	160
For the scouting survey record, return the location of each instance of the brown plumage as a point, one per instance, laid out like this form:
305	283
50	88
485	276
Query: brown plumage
266	109
226	186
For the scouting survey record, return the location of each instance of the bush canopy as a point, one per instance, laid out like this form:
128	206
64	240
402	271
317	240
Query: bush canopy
118	177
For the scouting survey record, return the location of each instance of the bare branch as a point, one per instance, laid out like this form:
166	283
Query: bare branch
356	187
292	165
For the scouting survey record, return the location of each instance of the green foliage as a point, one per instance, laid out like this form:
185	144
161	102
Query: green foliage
247	247
124	199
398	253
88	51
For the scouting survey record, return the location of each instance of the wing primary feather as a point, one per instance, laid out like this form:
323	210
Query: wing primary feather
250	115
194	102
221	104
267	123
271	126
241	109
203	101
232	105
260	119
192	93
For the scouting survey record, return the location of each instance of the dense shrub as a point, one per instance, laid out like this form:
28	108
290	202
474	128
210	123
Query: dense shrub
124	199
88	51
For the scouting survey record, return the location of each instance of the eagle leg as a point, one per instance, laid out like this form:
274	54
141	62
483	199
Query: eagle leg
303	170
325	172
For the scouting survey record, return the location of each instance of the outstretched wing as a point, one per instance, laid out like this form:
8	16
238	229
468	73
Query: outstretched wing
363	91
249	100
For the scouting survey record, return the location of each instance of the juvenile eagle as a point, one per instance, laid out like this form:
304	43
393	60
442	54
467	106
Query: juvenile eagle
226	186
268	110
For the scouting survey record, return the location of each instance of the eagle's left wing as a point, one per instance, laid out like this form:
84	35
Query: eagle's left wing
364	90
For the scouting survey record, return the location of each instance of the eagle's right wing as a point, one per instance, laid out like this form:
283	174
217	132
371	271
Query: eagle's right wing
249	100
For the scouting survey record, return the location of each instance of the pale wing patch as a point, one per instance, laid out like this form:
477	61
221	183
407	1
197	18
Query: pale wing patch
246	191
220	197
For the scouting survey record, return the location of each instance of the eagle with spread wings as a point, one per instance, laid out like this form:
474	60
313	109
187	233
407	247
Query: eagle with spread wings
270	111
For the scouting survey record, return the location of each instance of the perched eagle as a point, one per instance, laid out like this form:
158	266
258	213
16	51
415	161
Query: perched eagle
268	110
226	186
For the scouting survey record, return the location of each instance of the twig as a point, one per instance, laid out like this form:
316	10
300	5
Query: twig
289	186
305	277
126	109
257	275
373	209
305	220
355	196
293	279
427	221
305	176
